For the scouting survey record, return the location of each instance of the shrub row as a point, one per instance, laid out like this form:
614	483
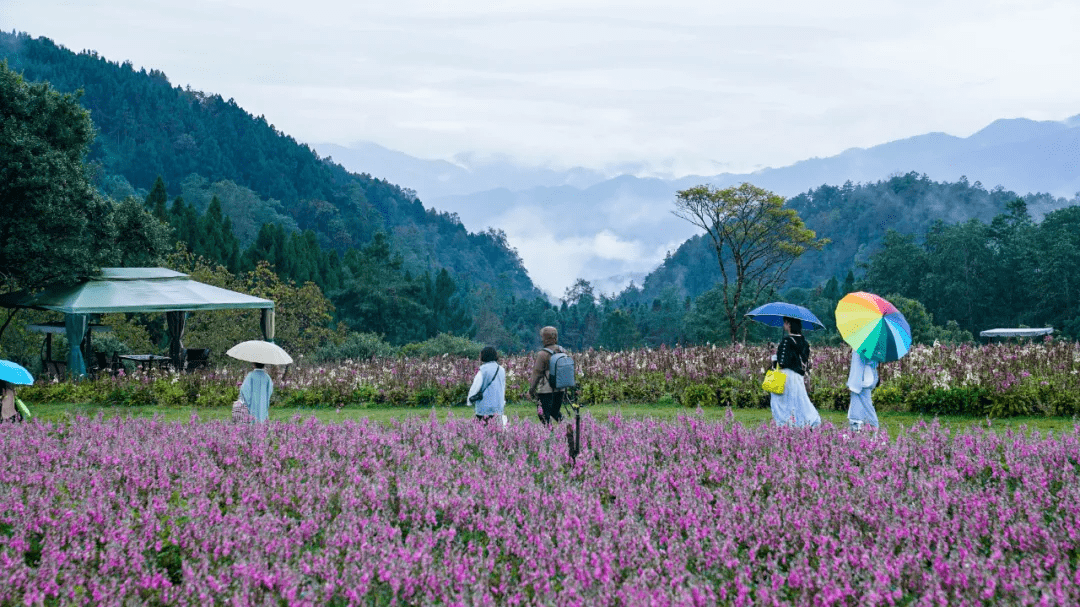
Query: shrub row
1033	396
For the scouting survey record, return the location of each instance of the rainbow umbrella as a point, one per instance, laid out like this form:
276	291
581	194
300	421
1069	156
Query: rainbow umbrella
873	326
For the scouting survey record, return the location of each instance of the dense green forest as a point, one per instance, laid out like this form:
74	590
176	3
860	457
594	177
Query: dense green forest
1009	272
202	144
233	189
951	280
855	218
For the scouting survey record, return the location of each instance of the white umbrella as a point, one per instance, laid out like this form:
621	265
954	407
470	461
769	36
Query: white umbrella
264	352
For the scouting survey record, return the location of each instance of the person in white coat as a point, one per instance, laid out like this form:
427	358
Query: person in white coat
488	390
862	379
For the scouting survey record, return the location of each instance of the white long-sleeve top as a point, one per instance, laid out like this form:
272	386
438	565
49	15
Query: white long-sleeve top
855	379
494	394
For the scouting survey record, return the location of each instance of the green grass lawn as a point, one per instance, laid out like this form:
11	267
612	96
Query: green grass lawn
524	412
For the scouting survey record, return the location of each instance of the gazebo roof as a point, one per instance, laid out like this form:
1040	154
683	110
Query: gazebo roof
134	290
1017	332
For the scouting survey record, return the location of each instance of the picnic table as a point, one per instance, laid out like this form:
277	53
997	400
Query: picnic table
146	361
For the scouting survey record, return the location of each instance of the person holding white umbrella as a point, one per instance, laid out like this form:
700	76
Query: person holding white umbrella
258	387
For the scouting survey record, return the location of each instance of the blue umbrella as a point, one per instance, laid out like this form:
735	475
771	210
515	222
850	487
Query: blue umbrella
14	373
773	314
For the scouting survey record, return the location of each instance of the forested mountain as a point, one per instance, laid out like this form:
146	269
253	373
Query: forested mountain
1008	272
855	217
1018	154
203	145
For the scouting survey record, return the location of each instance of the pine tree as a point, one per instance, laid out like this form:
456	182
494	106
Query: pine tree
155	200
832	290
849	282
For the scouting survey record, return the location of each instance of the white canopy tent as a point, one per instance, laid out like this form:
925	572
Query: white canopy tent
136	290
1017	332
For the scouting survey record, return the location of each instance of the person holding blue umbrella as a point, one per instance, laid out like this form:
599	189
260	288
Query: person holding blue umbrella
791	407
12	410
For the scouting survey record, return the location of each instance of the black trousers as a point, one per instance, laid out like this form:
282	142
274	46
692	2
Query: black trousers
550	406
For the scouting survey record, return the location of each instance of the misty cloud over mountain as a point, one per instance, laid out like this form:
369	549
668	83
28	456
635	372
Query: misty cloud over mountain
576	223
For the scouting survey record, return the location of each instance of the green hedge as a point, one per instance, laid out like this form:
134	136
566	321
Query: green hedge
1033	396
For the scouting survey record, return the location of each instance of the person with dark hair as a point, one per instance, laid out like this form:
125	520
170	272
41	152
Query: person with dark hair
793	407
12	410
488	390
550	406
256	391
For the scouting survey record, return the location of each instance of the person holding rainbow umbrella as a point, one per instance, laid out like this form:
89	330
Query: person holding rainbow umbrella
877	332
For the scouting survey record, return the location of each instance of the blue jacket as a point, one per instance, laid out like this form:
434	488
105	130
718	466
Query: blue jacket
255	392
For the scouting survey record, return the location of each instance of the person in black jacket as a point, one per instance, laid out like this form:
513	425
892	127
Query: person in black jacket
793	407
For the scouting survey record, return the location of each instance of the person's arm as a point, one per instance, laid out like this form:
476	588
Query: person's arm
477	382
781	353
855	373
500	380
540	367
245	390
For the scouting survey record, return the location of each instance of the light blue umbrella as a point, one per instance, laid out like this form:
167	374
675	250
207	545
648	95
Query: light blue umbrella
14	373
773	314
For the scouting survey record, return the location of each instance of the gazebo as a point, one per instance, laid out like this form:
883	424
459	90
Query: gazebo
135	290
1025	332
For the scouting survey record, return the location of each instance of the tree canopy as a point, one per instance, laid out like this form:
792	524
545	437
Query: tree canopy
56	226
754	237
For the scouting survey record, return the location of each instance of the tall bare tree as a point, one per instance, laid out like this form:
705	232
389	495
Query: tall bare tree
755	238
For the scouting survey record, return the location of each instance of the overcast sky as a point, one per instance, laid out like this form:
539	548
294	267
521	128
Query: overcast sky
676	86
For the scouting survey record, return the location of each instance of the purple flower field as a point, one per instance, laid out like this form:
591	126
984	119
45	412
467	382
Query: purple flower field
419	512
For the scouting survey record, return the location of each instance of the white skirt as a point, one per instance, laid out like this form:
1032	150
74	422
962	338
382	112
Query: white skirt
793	407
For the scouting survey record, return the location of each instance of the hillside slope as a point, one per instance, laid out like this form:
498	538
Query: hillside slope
147	127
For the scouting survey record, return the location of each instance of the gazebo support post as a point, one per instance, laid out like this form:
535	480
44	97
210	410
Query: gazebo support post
8	321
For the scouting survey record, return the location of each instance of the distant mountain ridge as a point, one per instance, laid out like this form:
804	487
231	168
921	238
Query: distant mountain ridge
1019	155
436	178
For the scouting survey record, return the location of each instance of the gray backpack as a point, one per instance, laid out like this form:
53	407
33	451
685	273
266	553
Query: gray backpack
560	370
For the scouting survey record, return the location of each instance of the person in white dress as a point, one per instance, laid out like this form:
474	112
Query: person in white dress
862	379
793	407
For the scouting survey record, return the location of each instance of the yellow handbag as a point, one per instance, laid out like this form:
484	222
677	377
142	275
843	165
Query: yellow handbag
774	380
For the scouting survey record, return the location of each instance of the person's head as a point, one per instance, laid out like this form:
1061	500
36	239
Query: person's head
793	325
488	354
4	386
259	366
549	335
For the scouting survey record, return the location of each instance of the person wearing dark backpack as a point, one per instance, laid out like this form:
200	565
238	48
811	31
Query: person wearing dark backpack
540	388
